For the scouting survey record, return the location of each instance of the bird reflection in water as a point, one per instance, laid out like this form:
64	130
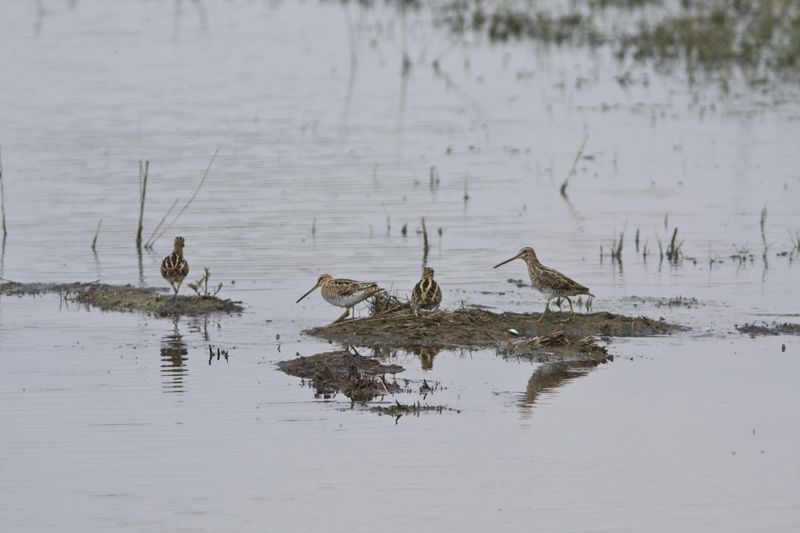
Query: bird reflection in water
426	355
173	360
550	376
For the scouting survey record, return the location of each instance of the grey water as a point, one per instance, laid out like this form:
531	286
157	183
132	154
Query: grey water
122	421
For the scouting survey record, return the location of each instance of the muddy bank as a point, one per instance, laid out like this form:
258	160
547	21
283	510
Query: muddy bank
359	378
363	379
125	298
769	329
556	346
470	326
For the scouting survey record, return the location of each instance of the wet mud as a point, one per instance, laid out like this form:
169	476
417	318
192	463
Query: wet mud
125	298
363	379
514	333
556	347
769	329
359	378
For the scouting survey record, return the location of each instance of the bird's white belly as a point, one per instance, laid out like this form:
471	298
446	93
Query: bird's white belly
344	301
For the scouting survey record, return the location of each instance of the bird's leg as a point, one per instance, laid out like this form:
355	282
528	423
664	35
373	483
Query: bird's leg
346	312
546	309
570	309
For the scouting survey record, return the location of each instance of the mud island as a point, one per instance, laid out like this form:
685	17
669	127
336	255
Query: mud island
125	298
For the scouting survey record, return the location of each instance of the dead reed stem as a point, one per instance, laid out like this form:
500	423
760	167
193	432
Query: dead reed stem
572	170
142	193
2	199
190	199
456	40
425	244
96	233
351	34
404	37
148	244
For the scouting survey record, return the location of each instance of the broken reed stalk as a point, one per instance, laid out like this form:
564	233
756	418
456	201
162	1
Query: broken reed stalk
794	240
616	246
660	249
434	177
96	233
572	170
142	192
456	40
404	37
673	251
763	235
388	221
351	35
425	244
2	199
190	199
148	244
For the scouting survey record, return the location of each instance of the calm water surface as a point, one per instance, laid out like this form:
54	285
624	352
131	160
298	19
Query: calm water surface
121	421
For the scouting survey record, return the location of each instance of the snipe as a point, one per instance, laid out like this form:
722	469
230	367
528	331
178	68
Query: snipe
551	283
426	294
345	293
174	267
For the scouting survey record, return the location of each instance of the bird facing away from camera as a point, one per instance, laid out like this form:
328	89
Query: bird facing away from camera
174	267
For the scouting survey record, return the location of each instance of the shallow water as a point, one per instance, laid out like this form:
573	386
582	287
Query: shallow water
120	420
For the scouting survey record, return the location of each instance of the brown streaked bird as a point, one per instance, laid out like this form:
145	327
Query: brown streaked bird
426	294
345	293
174	267
549	282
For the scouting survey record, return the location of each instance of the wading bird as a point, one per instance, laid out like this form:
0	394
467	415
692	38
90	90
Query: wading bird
551	283
426	294
174	267
343	292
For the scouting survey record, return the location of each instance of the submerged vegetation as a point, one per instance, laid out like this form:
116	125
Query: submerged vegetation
757	36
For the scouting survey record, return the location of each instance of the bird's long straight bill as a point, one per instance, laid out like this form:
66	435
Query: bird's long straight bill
309	292
507	261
